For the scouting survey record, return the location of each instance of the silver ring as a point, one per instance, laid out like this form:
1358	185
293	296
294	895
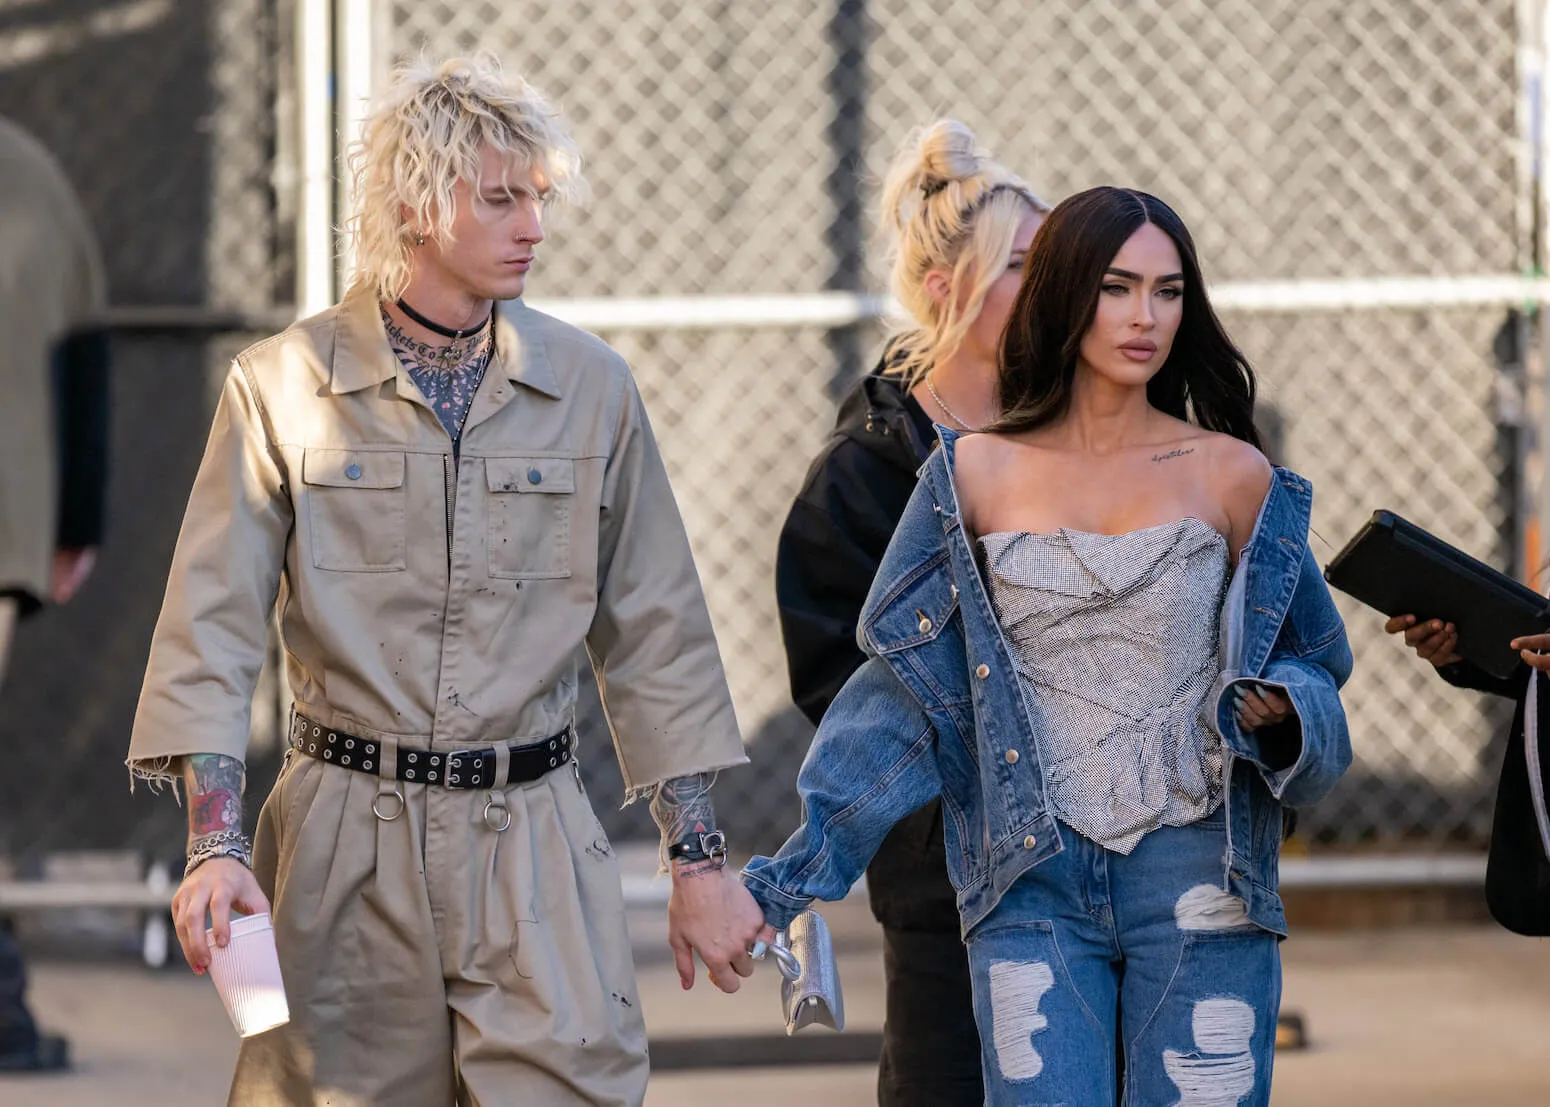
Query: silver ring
489	805
377	811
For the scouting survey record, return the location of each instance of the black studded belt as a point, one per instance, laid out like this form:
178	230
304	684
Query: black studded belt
456	769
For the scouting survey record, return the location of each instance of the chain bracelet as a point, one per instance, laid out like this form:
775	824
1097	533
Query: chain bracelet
223	843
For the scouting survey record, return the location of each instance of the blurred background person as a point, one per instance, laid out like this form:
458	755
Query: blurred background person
53	449
958	225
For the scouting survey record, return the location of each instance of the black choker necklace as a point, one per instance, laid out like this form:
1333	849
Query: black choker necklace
445	332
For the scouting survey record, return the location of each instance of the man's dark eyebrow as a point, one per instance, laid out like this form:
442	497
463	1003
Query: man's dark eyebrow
1129	276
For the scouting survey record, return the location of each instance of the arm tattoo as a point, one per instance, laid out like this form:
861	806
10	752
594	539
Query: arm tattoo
214	784
682	807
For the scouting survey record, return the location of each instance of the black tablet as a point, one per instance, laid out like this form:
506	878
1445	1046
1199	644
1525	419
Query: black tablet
1399	569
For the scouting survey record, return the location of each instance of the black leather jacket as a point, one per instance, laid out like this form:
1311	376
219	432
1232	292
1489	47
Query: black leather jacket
830	547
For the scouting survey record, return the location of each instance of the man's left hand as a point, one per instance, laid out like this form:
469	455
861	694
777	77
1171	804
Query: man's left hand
712	914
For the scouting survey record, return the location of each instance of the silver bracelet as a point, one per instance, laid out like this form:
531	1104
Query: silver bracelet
223	843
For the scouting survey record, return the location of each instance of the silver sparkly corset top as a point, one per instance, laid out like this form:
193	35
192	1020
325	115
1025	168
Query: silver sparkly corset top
1115	642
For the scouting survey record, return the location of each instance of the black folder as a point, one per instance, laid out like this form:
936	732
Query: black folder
1399	569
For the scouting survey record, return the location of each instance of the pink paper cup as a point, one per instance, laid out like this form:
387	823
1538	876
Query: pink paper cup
247	976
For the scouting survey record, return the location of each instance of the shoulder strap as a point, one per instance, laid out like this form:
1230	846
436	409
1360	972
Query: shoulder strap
1536	776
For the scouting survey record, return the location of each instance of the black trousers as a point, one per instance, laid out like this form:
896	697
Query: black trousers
931	1048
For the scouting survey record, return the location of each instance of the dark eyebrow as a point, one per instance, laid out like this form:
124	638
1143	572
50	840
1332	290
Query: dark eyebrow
1129	276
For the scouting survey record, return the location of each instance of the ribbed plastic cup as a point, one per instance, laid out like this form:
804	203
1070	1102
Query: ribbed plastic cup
247	976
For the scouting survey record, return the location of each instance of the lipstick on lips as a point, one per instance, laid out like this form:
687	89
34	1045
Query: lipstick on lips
1139	349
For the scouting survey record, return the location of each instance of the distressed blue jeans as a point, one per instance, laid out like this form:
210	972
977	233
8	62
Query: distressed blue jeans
1093	955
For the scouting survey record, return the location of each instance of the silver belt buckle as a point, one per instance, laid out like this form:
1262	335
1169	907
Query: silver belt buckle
455	772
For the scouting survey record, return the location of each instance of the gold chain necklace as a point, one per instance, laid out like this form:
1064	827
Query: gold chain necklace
951	414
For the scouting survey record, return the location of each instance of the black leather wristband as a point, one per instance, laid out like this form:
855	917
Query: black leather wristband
710	846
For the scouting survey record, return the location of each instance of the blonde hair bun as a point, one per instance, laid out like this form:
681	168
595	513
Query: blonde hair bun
946	153
947	204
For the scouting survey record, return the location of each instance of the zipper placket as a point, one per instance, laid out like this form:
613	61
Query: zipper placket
449	495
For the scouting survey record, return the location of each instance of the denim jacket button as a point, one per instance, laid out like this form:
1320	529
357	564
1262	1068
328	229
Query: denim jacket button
982	672
1011	757
925	626
1029	842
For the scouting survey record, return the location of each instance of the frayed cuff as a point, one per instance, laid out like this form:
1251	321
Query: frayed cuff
158	773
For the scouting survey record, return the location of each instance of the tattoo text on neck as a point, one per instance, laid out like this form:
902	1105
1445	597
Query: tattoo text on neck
1173	454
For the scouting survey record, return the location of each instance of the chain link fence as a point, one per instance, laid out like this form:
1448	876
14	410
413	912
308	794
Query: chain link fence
738	148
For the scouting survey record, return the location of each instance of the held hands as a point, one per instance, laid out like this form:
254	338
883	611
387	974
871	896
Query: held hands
218	885
712	914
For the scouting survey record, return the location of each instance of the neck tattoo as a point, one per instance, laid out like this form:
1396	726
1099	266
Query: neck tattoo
457	354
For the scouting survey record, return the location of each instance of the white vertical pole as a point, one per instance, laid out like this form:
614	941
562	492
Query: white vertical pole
356	51
315	288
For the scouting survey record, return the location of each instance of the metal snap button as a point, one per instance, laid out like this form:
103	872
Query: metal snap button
1029	842
534	476
982	672
1011	757
353	472
925	626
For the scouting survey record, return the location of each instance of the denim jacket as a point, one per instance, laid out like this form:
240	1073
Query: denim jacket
937	709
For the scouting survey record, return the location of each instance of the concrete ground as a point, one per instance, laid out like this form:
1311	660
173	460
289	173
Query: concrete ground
1453	1016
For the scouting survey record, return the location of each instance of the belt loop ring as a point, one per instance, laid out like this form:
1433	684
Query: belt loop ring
387	780
392	792
495	802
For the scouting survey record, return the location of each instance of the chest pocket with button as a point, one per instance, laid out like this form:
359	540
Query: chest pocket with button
531	499
355	509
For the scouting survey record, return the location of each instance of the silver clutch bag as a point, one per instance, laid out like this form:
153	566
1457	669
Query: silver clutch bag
810	984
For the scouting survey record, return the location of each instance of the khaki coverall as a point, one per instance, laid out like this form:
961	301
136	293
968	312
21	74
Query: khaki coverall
428	603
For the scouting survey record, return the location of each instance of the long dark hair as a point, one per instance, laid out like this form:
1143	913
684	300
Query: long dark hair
1205	379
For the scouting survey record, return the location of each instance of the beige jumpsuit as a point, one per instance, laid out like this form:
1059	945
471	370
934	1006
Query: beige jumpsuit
428	603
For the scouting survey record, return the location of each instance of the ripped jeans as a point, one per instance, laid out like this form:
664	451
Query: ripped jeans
1094	956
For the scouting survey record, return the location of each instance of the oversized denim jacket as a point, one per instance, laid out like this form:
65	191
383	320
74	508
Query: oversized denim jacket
938	709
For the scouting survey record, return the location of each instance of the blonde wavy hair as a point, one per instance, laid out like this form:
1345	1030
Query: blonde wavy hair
426	133
946	205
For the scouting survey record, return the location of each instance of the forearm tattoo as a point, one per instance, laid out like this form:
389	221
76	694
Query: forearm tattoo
682	807
214	783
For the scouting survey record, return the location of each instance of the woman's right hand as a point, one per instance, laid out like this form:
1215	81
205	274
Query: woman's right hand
1433	641
218	885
